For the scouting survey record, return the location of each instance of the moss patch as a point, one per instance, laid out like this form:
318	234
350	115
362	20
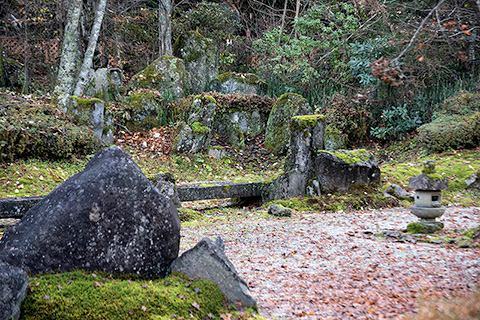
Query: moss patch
83	295
199	129
350	156
305	122
426	228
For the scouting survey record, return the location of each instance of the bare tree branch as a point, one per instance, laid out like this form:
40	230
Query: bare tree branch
395	61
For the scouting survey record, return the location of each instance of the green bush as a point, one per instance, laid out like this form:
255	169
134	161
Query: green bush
450	132
456	124
41	131
396	122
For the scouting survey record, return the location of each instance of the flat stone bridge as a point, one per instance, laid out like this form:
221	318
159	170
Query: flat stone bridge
17	207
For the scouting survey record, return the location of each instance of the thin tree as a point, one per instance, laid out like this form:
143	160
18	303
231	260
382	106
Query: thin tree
67	70
85	71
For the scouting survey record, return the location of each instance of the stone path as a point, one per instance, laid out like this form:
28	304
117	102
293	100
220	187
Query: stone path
331	266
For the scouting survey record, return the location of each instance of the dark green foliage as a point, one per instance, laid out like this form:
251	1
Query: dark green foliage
456	124
42	131
347	116
396	122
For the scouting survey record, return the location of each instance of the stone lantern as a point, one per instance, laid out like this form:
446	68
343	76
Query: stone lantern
428	199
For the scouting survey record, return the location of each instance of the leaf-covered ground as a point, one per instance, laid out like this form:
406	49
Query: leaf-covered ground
332	266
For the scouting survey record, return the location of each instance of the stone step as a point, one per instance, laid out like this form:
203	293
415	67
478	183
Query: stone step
17	207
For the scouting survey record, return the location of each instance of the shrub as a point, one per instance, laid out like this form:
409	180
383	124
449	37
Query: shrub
41	131
397	121
456	124
450	132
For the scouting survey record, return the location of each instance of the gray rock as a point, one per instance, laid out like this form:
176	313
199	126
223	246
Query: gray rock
195	136
108	217
231	82
342	170
424	182
473	182
13	289
278	132
201	59
217	152
279	211
208	261
98	84
166	186
299	177
116	76
166	74
397	191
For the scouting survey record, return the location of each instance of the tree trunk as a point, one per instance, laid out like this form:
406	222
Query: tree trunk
67	69
283	23
165	27
85	71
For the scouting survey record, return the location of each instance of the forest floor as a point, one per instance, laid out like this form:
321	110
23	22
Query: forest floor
335	266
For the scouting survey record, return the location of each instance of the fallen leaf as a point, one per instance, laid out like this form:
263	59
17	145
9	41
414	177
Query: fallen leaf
196	306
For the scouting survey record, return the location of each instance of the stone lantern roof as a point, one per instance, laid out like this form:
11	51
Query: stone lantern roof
428	179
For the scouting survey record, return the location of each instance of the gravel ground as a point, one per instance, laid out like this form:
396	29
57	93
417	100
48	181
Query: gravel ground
331	266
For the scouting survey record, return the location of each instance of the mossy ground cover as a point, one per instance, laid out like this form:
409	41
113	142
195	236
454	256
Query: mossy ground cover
456	166
85	295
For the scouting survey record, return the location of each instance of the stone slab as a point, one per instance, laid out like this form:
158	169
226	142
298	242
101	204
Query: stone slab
17	207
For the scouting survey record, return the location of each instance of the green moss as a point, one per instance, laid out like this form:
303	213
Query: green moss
206	185
435	176
199	129
305	122
425	228
81	295
86	102
205	97
350	156
226	188
472	233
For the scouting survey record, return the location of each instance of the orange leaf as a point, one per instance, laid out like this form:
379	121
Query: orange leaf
421	58
467	32
464	26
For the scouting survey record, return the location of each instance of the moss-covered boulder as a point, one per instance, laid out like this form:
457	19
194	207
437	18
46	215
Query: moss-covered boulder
196	134
306	138
167	75
104	84
143	110
343	170
277	132
92	113
232	82
200	57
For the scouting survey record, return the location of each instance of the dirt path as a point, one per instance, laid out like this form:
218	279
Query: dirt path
330	266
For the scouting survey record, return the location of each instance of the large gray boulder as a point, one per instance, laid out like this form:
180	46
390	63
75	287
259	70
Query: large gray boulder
278	133
166	75
13	289
109	217
306	138
342	170
208	261
201	59
232	82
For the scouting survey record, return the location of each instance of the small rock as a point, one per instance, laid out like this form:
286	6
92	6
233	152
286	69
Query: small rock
13	289
279	211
